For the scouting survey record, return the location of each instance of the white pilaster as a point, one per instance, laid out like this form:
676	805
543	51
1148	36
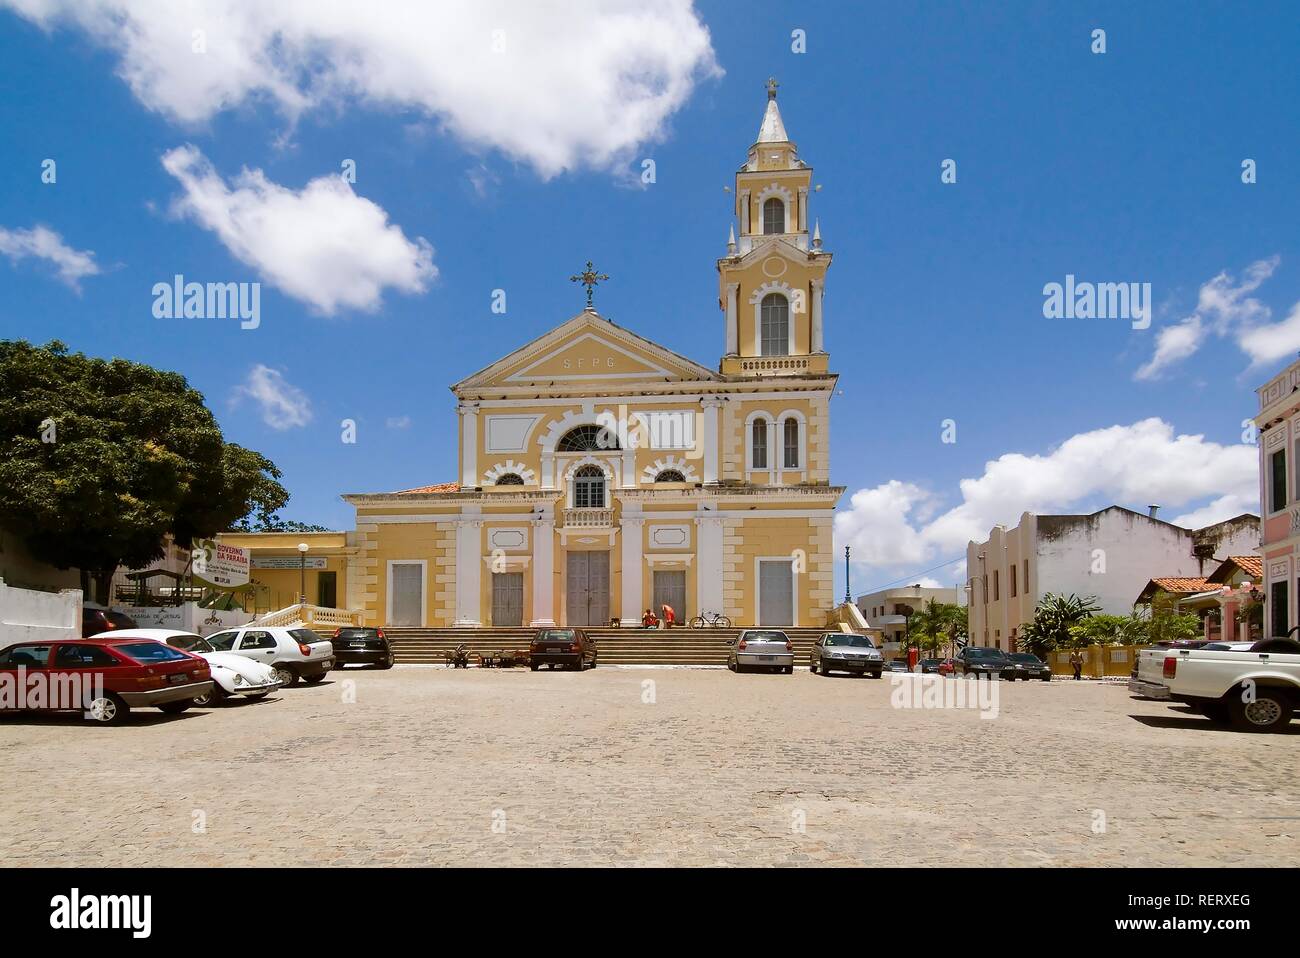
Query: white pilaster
469	445
711	440
733	314
803	209
708	565
543	572
818	288
631	530
744	212
469	565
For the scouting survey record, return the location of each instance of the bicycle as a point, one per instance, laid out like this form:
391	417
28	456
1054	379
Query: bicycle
715	620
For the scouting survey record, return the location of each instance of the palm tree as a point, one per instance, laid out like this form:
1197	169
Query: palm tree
1050	627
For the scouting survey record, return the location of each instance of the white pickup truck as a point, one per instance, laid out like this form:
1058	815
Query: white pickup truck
1253	687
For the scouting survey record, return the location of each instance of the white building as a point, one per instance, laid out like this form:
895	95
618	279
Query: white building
888	608
1110	554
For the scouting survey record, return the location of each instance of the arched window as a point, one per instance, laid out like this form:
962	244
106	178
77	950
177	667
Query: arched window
589	488
774	325
758	444
670	475
773	216
589	438
510	479
790	443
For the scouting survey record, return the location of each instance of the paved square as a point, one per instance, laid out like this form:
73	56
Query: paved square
480	767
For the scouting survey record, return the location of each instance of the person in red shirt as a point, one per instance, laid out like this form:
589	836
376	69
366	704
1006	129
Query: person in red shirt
670	617
649	621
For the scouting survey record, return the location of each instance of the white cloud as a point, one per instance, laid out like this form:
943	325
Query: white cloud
398	422
1225	308
559	86
889	526
323	245
283	405
44	243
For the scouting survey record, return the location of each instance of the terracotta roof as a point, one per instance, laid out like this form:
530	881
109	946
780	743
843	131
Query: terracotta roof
429	490
1253	566
1183	584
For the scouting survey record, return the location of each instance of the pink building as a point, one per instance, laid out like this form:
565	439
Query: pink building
1279	498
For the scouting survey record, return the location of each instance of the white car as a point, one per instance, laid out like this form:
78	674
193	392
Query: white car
231	674
293	653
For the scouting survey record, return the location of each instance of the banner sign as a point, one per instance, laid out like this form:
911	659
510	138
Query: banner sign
287	562
219	565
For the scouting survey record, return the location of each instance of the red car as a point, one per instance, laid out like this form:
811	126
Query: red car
103	678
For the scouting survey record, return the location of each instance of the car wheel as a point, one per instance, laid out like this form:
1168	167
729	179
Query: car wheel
314	679
175	708
789	670
285	675
210	699
875	675
739	668
593	662
388	662
108	710
1047	678
812	666
1270	712
532	666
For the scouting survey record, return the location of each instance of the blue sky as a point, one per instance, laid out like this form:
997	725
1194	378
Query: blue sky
1114	167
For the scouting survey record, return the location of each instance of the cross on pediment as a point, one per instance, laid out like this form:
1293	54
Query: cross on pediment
589	278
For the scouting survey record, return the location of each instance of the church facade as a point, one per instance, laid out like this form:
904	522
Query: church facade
601	474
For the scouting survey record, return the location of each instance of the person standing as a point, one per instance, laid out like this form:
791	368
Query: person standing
1076	663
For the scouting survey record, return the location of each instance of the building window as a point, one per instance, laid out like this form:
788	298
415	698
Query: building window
1277	467
1278	616
589	438
773	217
589	488
774	326
791	443
996	594
758	455
670	475
1013	580
510	479
1026	578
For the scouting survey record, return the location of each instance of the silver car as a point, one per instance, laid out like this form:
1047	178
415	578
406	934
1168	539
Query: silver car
845	652
761	649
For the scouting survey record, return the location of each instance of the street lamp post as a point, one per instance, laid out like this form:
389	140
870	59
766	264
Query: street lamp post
302	573
848	595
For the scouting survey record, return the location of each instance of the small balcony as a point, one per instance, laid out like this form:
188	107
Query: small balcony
588	518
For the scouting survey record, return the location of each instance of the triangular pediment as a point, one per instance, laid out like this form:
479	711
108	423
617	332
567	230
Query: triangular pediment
587	348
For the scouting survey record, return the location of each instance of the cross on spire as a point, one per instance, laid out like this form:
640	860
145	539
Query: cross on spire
589	278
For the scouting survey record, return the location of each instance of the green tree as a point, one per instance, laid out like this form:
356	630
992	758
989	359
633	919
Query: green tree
103	458
936	624
1130	629
1053	618
1166	624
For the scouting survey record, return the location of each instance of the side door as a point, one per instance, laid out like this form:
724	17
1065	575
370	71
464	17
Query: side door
33	658
258	645
79	674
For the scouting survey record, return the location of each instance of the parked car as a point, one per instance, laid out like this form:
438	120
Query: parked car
845	652
95	620
762	649
231	674
947	666
293	653
980	660
1145	680
106	677
1255	688
897	665
928	666
1026	665
361	645
572	648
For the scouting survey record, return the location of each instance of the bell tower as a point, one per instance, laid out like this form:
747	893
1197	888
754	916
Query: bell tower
771	283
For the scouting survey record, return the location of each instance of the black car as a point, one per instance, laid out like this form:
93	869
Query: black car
95	619
1026	665
897	665
361	645
981	660
571	648
930	666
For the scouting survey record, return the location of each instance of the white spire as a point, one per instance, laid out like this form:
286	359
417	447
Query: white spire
817	233
772	130
731	240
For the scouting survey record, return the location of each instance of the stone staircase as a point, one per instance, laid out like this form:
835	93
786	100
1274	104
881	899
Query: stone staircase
616	646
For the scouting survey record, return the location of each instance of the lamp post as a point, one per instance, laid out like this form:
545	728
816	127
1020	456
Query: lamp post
302	573
848	595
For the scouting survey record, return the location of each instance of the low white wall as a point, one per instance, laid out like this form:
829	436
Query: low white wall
30	616
187	617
